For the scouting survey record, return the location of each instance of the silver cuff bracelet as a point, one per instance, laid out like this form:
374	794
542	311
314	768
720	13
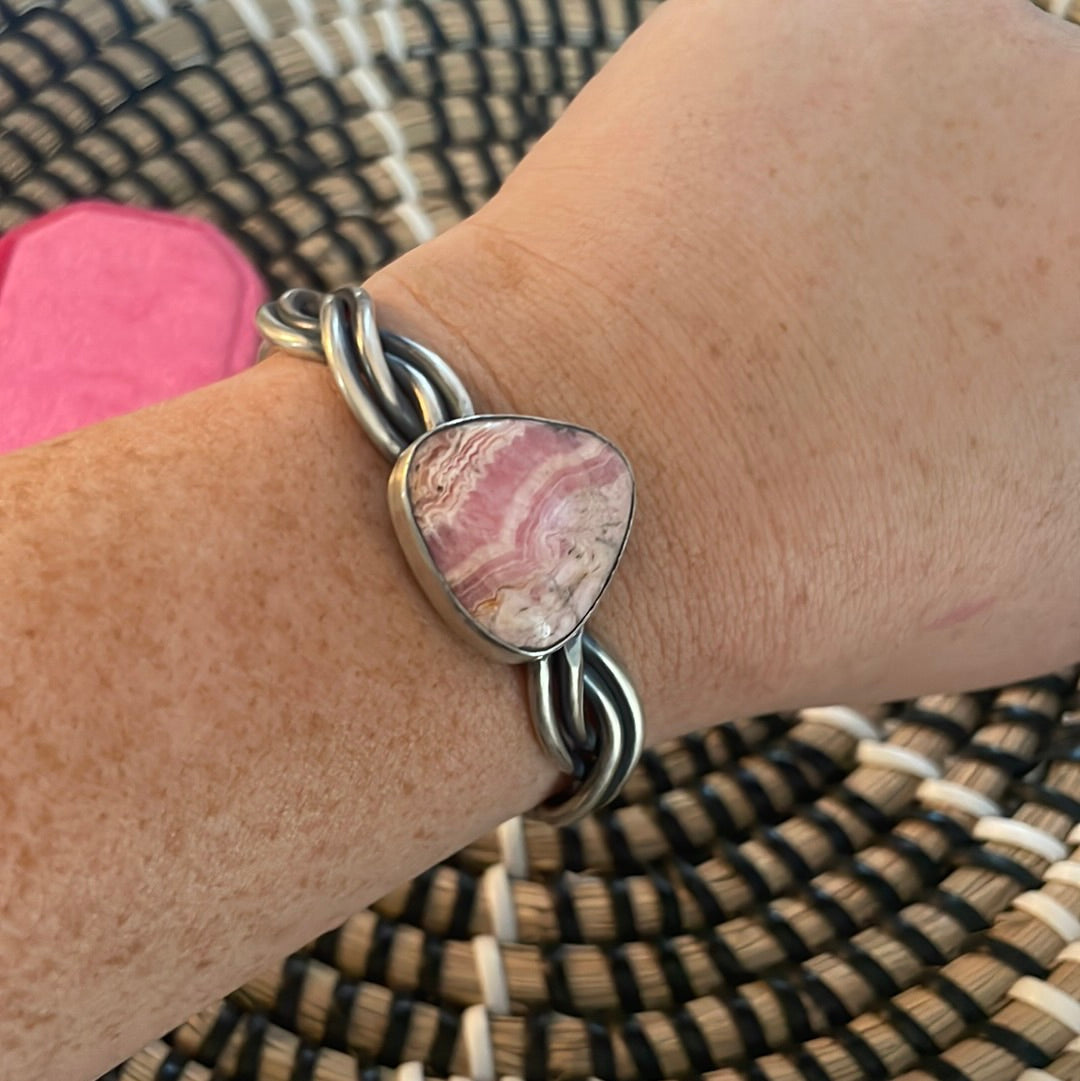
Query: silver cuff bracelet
512	525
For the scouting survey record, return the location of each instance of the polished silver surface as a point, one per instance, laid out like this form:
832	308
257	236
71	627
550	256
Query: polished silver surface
546	692
556	685
584	709
359	311
396	388
601	665
617	731
571	660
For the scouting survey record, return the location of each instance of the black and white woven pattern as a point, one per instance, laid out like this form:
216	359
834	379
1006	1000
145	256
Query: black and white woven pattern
832	895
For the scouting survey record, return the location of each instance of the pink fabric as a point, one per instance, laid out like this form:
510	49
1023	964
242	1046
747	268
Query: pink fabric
105	309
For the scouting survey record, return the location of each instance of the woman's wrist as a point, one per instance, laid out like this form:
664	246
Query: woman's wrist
242	648
502	318
815	481
343	479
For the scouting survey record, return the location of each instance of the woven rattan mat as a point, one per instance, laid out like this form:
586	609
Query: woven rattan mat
828	895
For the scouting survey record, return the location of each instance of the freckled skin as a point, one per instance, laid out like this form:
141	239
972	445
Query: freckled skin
847	383
241	751
885	440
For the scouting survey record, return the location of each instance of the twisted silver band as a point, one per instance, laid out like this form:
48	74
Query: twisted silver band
583	706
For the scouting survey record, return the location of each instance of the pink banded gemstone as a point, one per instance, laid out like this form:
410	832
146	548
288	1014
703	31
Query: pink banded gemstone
524	519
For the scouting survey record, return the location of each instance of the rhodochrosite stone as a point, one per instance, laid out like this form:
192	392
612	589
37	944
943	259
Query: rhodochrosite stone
524	519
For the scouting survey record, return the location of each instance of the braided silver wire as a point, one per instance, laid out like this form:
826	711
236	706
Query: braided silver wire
583	707
396	388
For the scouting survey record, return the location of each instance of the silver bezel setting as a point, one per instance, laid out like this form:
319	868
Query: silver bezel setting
582	704
428	575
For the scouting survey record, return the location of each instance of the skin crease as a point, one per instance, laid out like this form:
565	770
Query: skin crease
828	309
812	266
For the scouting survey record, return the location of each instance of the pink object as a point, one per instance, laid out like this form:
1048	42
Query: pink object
524	519
106	308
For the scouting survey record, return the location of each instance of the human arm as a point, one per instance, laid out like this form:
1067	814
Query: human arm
221	685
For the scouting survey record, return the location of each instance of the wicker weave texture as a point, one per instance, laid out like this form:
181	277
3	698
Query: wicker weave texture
830	895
